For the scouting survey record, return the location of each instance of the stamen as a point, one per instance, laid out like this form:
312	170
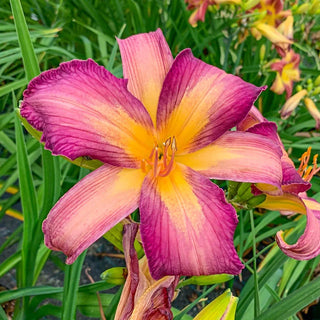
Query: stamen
165	151
159	160
304	171
168	168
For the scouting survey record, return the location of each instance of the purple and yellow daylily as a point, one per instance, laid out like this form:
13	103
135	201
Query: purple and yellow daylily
291	198
161	135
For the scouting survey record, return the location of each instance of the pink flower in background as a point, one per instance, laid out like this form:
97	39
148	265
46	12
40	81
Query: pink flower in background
161	134
291	198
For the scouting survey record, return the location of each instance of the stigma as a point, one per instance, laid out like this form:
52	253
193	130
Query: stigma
161	158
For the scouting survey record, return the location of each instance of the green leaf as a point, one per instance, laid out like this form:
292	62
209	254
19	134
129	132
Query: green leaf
29	206
30	60
71	284
294	302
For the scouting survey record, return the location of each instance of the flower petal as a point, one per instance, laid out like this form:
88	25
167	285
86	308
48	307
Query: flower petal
141	298
198	103
308	245
253	117
285	202
155	303
192	230
312	108
83	110
146	60
199	13
291	104
92	207
126	302
291	180
238	156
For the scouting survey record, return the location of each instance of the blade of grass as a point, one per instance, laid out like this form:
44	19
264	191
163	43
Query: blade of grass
3	315
30	60
255	274
30	210
71	285
294	302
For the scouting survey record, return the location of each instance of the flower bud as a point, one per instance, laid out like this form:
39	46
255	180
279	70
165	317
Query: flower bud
206	280
115	275
303	8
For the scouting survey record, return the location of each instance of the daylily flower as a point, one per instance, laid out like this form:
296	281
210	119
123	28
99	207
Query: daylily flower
273	10
201	7
161	135
272	15
143	297
287	72
291	198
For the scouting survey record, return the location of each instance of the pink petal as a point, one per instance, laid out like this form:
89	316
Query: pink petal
199	13
141	299
291	180
256	123
187	226
253	117
92	207
126	302
308	245
238	156
83	110
146	60
198	102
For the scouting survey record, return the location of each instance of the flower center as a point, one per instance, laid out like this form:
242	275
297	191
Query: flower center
307	172
161	158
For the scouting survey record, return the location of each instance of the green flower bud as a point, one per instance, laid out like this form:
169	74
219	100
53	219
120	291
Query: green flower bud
115	275
206	280
316	91
255	201
317	81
